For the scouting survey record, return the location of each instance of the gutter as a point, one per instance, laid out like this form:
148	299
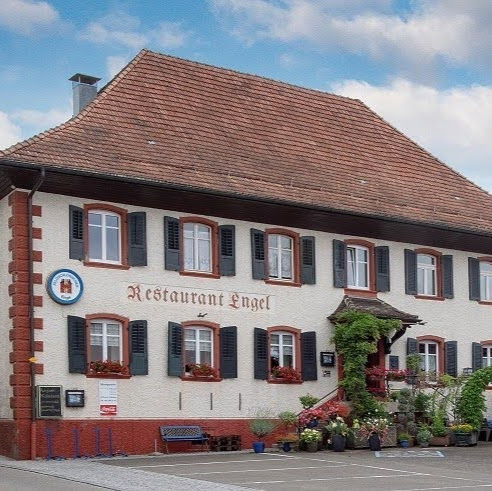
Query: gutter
30	278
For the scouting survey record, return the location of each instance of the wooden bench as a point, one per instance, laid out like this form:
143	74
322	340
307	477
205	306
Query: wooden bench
182	434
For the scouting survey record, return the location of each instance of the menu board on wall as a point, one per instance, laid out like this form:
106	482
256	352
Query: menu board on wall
48	401
108	398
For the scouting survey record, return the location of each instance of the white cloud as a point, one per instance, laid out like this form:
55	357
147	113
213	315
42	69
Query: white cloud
38	121
126	30
115	63
456	31
10	133
27	16
453	124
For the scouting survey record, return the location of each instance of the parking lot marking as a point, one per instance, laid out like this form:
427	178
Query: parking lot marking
265	470
448	487
323	479
199	463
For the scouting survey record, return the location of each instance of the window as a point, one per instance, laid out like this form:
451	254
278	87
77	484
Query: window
358	267
198	346
486	356
426	275
280	257
105	341
197	247
428	352
104	236
282	352
485	281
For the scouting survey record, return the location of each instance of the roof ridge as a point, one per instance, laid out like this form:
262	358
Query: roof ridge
252	75
407	138
103	92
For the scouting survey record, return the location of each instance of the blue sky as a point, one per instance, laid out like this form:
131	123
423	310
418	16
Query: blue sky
423	65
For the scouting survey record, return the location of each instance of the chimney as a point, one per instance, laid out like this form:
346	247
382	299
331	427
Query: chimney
84	91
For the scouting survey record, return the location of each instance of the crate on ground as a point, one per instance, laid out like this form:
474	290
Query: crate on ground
225	443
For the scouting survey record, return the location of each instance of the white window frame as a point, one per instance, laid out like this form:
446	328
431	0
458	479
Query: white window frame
487	294
196	241
104	336
281	345
104	227
278	247
356	284
487	360
425	356
425	268
197	342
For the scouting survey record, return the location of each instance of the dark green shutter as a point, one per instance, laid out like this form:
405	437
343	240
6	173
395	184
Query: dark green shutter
339	264
476	356
171	244
447	276
137	238
382	269
76	242
394	362
308	356
261	353
412	346
451	357
474	278
175	349
228	352
77	344
410	272
258	254
308	261
227	249
139	359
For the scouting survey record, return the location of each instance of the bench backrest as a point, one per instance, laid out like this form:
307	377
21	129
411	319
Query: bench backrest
180	431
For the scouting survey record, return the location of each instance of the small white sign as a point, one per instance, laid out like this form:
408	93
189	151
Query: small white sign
108	398
65	286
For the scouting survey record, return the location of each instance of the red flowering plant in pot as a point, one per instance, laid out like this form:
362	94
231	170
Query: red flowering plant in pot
202	370
397	375
311	417
107	366
285	373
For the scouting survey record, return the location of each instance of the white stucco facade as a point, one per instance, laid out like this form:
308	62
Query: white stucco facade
157	395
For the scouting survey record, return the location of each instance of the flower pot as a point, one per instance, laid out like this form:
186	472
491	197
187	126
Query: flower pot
375	442
286	447
424	444
338	443
259	447
312	424
439	441
404	443
312	446
466	439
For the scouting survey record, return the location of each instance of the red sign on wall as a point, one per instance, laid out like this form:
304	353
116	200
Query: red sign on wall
108	409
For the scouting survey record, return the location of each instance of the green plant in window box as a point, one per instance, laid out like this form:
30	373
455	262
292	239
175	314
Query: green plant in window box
107	366
202	370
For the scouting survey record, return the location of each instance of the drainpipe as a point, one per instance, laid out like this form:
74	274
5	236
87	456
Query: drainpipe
30	278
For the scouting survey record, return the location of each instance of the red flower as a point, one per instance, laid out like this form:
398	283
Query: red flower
107	366
286	373
203	370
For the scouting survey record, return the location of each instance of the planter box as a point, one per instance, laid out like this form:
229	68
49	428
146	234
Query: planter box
358	441
440	441
466	439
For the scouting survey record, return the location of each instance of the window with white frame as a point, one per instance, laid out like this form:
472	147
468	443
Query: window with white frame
106	341
198	346
104	236
485	281
358	267
280	257
486	356
282	350
426	274
197	247
428	351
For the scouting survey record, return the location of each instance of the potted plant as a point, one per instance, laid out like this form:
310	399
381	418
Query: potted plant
311	417
423	436
285	373
338	431
464	436
106	366
397	375
288	420
288	440
202	370
404	439
261	425
439	431
308	401
375	430
311	438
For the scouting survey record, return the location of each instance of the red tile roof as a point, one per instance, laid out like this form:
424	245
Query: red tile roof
231	132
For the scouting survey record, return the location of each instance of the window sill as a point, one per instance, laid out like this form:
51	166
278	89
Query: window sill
283	283
93	264
108	375
429	297
200	275
485	302
200	379
360	292
283	381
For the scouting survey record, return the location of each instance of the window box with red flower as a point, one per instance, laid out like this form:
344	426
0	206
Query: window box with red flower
107	368
285	373
202	370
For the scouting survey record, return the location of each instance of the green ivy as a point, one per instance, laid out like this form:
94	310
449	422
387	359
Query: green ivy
356	337
471	404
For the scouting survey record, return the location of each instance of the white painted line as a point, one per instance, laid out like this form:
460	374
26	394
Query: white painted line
199	463
321	479
263	470
448	487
